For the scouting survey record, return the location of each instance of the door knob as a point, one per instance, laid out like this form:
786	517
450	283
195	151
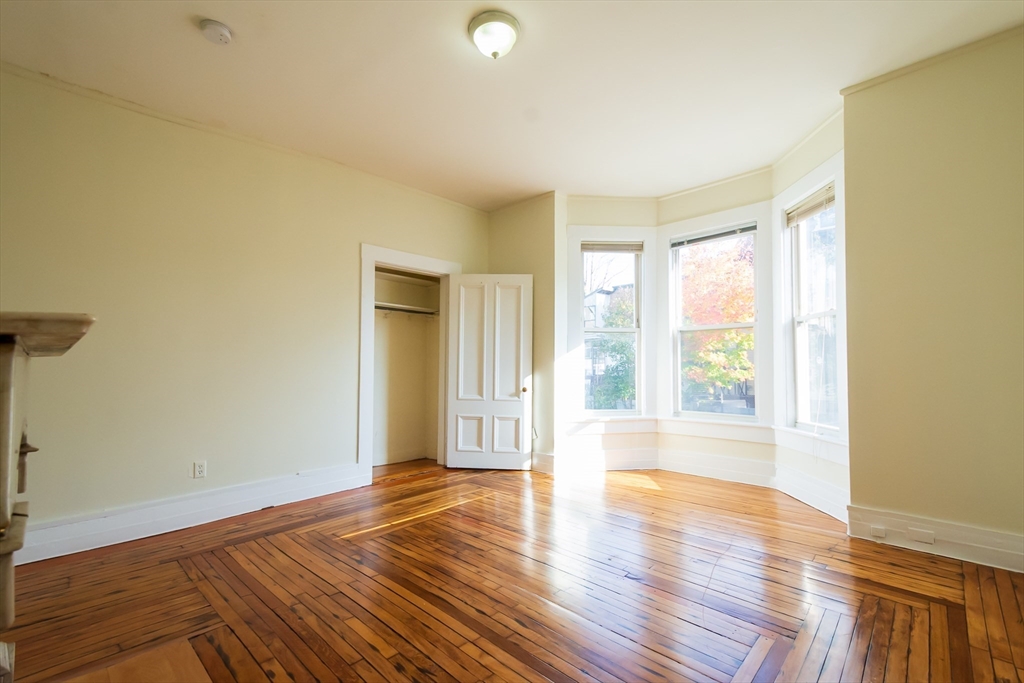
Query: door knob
524	390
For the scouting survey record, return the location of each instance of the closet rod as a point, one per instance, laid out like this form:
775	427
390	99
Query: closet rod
404	309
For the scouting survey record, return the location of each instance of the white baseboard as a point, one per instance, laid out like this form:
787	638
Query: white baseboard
631	459
821	495
960	541
543	462
727	467
572	461
72	535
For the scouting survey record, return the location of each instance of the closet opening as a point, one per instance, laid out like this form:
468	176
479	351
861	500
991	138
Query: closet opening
406	335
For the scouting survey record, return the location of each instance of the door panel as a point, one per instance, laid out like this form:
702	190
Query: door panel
491	357
472	339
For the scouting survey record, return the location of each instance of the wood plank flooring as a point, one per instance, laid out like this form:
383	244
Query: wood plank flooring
459	575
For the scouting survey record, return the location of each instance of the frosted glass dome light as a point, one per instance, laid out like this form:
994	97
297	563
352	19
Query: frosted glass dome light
494	33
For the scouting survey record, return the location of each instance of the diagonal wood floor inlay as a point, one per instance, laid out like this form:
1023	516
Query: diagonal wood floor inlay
458	575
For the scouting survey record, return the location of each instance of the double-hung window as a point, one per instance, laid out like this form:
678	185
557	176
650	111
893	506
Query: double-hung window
713	328
611	324
812	226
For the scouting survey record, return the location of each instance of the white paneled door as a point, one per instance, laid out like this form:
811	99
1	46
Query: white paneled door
490	371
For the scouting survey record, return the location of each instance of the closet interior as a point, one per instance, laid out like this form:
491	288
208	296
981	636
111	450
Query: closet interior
406	336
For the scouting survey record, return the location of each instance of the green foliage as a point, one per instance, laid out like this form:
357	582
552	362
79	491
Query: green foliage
715	361
717	289
617	386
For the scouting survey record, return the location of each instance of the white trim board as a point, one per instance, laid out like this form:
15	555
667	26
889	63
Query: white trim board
819	494
960	541
372	256
75	534
724	467
575	460
543	462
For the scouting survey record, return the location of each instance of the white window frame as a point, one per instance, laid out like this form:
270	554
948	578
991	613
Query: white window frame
787	316
678	328
800	369
573	362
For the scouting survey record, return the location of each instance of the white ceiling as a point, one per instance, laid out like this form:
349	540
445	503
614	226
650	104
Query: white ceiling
598	98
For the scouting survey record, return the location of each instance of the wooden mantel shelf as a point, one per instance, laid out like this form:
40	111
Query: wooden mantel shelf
45	334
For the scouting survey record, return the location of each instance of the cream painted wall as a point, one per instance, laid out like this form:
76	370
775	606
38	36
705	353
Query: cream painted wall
935	253
749	188
522	240
392	292
224	275
621	211
405	414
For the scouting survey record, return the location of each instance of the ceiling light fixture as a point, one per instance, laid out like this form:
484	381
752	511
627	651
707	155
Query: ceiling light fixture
494	33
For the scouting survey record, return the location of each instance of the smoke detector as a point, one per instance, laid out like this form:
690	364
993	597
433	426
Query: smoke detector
215	32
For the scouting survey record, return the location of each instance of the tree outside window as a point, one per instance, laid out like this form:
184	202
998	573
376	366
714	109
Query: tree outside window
611	328
714	329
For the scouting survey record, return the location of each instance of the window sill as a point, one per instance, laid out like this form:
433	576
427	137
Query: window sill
610	415
611	424
716	418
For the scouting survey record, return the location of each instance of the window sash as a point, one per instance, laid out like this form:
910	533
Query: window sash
611	330
814	316
799	247
676	274
721	326
590	332
679	328
635	248
801	379
623	248
731	232
677	354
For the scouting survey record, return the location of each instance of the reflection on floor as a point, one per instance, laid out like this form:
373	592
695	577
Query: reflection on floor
462	575
176	661
382	473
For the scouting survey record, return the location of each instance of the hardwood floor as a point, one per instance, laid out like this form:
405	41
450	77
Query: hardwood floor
398	470
459	575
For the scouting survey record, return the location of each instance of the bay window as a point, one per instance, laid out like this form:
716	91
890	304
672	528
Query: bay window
714	310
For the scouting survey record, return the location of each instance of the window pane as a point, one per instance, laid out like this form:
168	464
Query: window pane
817	371
716	281
609	289
716	371
610	360
818	262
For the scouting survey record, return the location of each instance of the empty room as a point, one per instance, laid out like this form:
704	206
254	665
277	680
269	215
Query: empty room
455	341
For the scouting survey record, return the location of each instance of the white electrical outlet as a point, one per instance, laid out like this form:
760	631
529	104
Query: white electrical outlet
878	531
199	469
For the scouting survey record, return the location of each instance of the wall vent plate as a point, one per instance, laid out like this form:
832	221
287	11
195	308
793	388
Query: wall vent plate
921	535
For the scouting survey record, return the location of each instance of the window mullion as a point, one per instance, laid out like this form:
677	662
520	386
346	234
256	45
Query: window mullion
815	316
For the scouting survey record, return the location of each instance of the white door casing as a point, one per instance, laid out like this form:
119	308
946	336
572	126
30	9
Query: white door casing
490	371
